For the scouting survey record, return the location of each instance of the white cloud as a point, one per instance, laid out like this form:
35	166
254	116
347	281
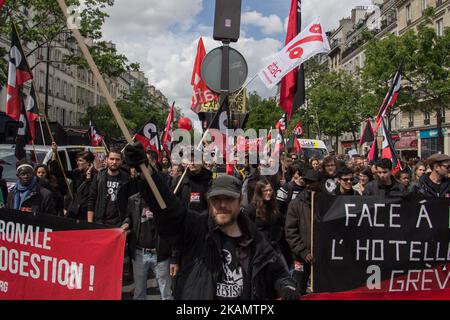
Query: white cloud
162	36
270	25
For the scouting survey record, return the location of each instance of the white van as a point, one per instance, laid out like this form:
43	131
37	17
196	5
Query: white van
42	155
313	148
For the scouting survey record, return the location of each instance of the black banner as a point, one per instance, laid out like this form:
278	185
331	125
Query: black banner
373	244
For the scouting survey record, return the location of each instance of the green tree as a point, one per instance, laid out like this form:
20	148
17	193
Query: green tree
263	113
426	57
48	26
135	108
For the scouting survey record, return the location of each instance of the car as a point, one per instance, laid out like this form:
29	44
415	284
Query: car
313	148
42	155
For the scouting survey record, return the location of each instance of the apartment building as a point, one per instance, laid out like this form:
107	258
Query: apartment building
417	130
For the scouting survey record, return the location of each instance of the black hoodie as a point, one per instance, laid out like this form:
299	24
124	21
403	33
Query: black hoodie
193	189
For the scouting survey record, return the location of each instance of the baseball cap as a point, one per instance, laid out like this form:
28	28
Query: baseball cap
437	157
225	186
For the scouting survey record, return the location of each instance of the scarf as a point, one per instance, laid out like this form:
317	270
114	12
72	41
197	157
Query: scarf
21	193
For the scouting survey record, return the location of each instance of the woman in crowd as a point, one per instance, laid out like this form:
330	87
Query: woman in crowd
264	212
365	176
50	182
315	164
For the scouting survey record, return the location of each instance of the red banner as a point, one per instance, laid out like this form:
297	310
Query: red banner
45	258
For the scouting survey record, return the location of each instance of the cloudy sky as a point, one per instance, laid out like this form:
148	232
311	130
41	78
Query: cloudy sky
162	36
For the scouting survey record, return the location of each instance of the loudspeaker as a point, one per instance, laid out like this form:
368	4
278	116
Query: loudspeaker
227	20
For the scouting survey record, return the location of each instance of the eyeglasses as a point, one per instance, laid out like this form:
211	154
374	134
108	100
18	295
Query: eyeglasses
446	166
347	179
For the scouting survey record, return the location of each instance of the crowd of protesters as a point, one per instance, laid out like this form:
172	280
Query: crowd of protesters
264	250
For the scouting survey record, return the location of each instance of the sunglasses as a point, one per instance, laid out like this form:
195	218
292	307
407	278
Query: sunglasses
445	166
347	179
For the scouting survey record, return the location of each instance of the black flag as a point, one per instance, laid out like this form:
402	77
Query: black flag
23	133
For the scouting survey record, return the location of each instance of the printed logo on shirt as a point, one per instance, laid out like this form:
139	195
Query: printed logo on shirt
112	189
330	185
195	197
146	215
233	281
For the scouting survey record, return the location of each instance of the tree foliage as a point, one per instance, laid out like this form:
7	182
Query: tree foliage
264	113
136	109
48	25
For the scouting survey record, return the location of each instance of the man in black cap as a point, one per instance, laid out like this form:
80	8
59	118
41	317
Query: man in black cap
298	229
435	184
224	256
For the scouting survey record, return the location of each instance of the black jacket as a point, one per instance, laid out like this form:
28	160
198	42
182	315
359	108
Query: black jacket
271	227
97	194
427	188
4	189
375	188
193	189
201	258
39	200
78	207
298	225
134	212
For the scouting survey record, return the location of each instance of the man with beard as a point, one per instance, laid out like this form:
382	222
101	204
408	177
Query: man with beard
109	192
27	195
385	185
224	256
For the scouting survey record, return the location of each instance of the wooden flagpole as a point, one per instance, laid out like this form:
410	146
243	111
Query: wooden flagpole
104	145
42	130
111	103
312	239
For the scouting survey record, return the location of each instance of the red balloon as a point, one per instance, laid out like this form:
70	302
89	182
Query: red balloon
185	123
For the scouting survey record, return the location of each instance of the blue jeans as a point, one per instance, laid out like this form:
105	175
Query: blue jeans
141	264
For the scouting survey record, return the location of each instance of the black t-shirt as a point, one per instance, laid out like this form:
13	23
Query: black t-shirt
233	282
112	216
146	232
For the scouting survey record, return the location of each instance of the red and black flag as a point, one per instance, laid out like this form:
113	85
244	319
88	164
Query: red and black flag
23	136
32	111
298	130
373	153
367	135
292	90
167	138
18	73
94	137
2	3
148	136
391	96
389	152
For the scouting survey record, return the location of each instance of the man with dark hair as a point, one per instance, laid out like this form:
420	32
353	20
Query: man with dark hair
109	192
435	184
224	256
292	188
328	175
385	185
298	229
345	182
27	195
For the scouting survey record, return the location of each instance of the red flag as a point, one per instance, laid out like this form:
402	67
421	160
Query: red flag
201	94
367	135
148	136
167	139
281	124
18	74
293	84
391	96
32	111
2	3
388	151
297	145
298	130
94	137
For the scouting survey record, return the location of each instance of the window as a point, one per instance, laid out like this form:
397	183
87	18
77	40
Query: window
408	14
411	119
426	120
440	27
424	4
